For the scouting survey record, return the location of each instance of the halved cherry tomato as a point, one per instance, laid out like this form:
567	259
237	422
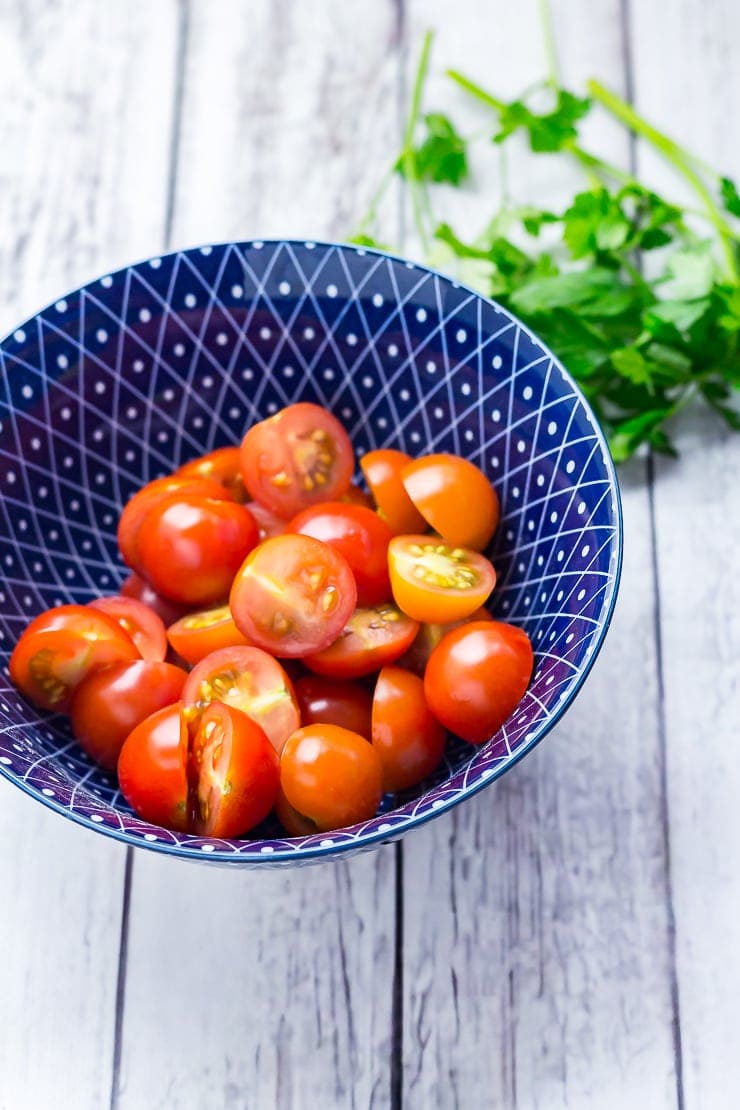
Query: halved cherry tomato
382	470
196	635
360	536
268	523
143	625
476	676
355	495
191	546
331	701
135	510
293	595
251	680
60	647
153	769
220	465
331	775
137	587
435	582
454	496
234	772
110	702
296	458
406	735
370	639
294	823
427	638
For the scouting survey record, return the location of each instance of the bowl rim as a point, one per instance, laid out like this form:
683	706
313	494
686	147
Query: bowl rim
321	852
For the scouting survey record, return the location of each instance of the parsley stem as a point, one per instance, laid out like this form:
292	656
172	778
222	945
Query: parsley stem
678	158
408	156
548	40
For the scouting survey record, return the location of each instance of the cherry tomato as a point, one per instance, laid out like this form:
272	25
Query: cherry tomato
60	647
296	458
454	497
268	523
143	625
433	581
192	546
293	595
137	587
109	703
406	735
153	769
222	465
294	823
370	639
196	635
330	701
360	536
476	676
382	470
136	509
235	772
331	775
251	680
427	638
357	496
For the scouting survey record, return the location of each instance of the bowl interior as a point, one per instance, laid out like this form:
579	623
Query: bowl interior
122	381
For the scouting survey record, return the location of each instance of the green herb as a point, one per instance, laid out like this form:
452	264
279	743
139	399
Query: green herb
642	342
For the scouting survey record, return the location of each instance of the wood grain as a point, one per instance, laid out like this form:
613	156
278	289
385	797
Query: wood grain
537	957
83	87
269	989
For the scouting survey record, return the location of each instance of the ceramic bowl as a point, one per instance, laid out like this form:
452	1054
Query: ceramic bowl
138	371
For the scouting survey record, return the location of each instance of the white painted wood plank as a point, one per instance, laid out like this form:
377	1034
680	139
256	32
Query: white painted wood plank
270	989
86	94
687	80
537	965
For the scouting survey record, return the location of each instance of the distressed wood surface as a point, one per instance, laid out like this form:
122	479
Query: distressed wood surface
570	936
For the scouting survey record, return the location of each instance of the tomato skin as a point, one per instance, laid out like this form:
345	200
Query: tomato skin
142	624
192	546
435	582
476	676
405	733
370	639
331	775
248	679
330	701
454	497
427	638
60	647
221	465
294	823
235	773
137	587
137	507
196	635
293	595
355	495
268	523
360	536
296	458
152	769
382	470
109	703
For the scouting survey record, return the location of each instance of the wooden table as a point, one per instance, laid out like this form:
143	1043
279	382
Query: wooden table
569	938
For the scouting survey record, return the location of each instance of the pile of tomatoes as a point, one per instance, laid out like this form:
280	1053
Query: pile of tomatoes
285	641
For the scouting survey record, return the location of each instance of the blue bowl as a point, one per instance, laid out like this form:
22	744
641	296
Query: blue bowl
130	376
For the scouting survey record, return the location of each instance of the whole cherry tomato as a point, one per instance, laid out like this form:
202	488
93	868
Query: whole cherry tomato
454	497
405	733
331	775
153	769
331	701
427	638
360	536
370	639
135	510
433	581
382	470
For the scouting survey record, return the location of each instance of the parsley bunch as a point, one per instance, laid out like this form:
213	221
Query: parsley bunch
641	306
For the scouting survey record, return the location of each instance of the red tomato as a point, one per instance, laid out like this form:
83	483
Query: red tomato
405	733
476	676
196	635
109	703
134	511
137	587
60	647
234	770
152	769
223	465
360	536
143	625
192	546
454	497
294	823
331	775
427	638
293	595
330	701
357	496
248	679
370	639
382	470
435	582
296	458
268	523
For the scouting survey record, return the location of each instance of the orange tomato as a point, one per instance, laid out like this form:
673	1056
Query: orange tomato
453	496
434	582
382	470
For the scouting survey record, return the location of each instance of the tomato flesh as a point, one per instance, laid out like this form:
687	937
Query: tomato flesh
405	733
433	581
198	634
370	639
331	775
222	465
143	625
